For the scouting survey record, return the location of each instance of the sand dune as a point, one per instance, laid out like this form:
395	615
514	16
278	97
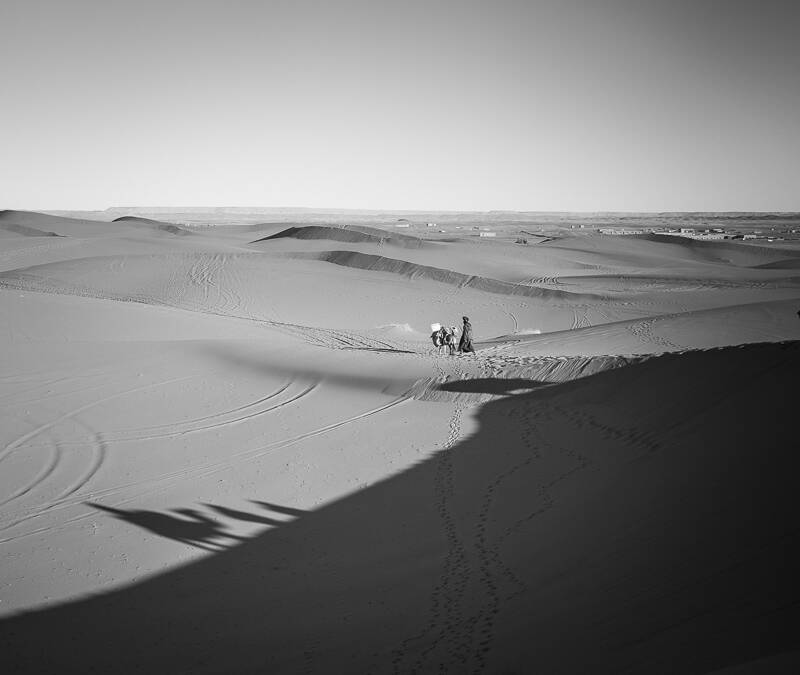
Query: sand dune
225	456
787	264
445	276
718	327
77	227
62	225
512	265
154	224
671	251
24	230
33	219
720	251
349	234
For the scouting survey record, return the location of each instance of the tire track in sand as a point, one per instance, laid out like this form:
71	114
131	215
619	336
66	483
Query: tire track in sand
165	481
206	418
20	441
99	451
46	471
99	444
10	447
129	435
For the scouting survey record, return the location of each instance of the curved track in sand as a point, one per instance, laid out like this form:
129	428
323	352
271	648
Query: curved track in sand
71	496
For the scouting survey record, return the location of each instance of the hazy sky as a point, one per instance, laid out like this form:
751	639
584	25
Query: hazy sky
530	105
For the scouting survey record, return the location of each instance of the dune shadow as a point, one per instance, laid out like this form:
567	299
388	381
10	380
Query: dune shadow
286	510
492	385
382	350
269	365
193	528
244	516
196	528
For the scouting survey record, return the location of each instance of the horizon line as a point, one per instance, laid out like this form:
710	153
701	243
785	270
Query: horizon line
313	209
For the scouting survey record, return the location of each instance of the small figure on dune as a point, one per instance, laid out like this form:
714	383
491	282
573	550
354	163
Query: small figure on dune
465	345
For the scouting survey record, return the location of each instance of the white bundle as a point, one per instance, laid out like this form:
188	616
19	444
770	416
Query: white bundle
435	327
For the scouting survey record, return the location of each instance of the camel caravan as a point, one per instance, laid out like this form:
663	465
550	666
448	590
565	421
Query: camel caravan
444	339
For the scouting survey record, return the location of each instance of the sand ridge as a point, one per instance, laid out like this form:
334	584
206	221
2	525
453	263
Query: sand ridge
349	233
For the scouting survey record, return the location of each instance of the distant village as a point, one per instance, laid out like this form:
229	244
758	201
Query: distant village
698	233
521	228
737	232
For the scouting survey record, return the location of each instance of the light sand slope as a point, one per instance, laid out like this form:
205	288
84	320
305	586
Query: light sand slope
671	249
370	291
310	292
78	238
738	324
76	227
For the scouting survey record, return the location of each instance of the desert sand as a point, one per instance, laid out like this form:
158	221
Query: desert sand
235	449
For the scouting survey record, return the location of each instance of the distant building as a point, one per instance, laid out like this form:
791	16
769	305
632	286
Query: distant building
618	230
689	233
488	234
401	225
431	224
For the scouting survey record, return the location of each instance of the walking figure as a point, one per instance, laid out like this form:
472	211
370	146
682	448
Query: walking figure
465	345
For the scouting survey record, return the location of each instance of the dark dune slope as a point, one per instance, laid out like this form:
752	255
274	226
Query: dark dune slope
621	523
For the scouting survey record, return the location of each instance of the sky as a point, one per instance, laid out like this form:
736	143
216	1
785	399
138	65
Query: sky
551	105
